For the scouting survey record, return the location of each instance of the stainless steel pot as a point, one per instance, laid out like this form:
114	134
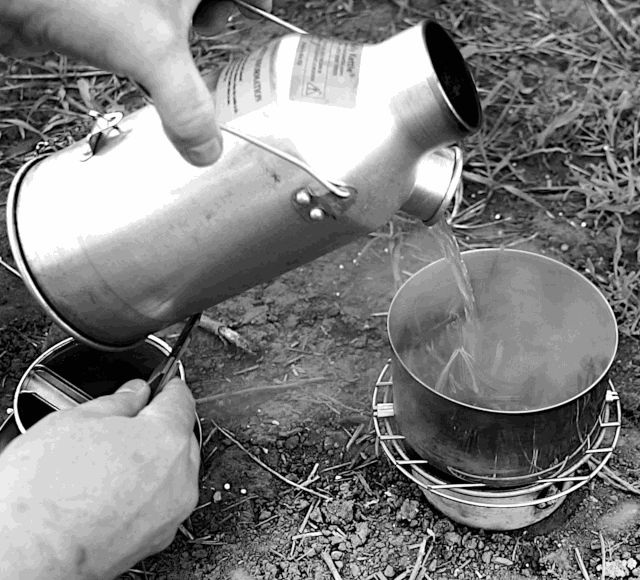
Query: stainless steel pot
477	442
117	236
50	381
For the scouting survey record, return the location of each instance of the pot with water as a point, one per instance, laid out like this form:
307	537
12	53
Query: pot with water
516	395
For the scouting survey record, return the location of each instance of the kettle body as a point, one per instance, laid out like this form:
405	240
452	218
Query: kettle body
118	237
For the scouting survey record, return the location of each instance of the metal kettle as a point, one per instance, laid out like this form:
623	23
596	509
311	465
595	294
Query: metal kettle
118	237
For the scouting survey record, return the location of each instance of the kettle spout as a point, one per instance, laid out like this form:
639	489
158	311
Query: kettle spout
439	173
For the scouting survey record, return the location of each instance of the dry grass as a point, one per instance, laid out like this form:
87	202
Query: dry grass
560	87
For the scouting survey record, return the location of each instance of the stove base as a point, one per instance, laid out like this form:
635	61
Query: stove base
477	505
459	505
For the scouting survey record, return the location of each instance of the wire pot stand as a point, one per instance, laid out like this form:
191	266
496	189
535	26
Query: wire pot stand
546	493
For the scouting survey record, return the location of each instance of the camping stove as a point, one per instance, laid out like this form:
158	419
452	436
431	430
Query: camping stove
478	505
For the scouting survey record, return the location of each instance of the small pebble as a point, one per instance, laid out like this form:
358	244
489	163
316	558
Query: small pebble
217	497
452	538
227	486
389	572
564	248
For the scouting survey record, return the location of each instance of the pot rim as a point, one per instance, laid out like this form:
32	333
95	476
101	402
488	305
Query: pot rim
160	344
542	257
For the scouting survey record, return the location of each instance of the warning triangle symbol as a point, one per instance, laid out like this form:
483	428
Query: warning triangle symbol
313	90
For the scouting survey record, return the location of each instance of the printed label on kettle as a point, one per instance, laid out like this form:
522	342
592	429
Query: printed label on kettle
248	84
326	72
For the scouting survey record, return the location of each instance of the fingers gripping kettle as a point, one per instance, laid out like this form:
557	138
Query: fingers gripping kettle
118	237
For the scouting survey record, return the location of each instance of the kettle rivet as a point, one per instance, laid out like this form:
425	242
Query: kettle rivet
316	214
303	197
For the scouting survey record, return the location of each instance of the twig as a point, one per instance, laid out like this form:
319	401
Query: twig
204	505
263	522
290	385
334	467
364	249
419	559
307	535
279	554
210	454
364	483
236	504
10	268
581	565
616	481
224	332
312	478
211	434
354	437
247	370
604	29
53	76
515	549
33	343
603	553
269	469
186	532
632	33
332	567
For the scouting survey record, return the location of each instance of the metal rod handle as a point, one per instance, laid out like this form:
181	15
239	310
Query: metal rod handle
341	190
270	16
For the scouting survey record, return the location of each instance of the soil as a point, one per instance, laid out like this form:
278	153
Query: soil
320	345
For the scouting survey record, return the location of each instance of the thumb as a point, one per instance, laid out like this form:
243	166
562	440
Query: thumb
127	401
185	106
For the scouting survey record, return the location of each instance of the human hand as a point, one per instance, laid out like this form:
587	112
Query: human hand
146	40
88	492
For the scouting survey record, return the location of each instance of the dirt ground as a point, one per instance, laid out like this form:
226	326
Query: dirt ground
320	344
